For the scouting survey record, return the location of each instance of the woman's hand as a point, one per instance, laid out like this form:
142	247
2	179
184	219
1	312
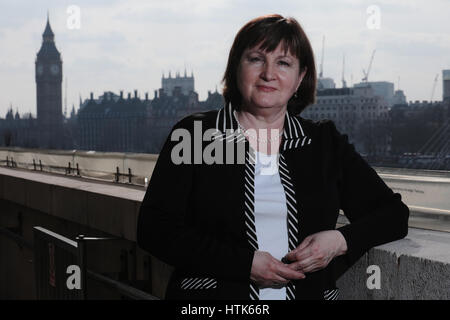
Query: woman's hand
269	272
317	250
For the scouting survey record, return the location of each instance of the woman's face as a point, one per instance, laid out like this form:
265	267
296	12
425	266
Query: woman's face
268	79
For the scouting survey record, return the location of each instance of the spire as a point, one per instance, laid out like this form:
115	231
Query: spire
9	114
48	49
48	34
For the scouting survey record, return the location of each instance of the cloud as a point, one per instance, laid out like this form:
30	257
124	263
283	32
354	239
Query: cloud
126	45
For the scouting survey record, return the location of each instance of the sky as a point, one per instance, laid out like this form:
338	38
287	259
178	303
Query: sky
115	45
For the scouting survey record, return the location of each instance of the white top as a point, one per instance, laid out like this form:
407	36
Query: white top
270	215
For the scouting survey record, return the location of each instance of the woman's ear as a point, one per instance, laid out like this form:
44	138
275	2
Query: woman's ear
300	79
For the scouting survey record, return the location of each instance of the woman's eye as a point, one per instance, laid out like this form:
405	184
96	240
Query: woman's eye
284	63
254	59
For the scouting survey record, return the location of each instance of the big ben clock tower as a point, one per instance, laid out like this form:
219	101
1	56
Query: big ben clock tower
48	91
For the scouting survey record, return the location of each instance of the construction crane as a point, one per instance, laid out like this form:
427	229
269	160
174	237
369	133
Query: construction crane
321	60
434	87
344	83
366	74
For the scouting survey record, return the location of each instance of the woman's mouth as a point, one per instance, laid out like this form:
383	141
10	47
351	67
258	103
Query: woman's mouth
266	88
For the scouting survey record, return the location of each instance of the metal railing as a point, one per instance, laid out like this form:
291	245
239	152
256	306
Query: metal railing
126	168
69	170
54	254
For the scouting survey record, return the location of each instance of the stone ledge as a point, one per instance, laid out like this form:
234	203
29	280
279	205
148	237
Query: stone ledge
414	268
103	206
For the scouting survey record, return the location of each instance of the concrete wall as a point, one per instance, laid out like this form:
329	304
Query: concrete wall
414	268
115	259
72	206
417	267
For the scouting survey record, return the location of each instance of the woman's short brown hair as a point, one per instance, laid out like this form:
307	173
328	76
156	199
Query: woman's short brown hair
270	30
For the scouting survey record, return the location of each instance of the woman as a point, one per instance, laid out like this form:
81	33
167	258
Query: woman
259	223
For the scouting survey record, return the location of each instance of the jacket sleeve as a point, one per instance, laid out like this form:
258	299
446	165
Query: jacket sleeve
377	215
166	232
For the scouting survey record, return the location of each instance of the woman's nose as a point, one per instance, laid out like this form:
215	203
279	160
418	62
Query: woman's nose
268	72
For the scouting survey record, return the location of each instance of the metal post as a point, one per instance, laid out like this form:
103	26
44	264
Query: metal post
78	170
70	168
40	164
83	267
117	174
7	161
129	175
34	165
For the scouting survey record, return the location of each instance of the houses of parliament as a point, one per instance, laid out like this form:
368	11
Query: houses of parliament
110	122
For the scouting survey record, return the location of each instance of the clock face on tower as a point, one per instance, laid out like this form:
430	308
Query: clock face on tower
40	69
54	69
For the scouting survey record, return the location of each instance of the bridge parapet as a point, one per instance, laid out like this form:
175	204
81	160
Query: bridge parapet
417	267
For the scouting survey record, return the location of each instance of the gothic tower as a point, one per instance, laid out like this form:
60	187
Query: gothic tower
48	91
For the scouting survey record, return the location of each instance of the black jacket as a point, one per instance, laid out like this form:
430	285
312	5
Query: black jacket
193	215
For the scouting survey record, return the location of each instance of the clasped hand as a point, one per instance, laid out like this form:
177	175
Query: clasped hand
314	253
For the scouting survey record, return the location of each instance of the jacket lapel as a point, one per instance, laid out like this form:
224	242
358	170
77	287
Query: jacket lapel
294	136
